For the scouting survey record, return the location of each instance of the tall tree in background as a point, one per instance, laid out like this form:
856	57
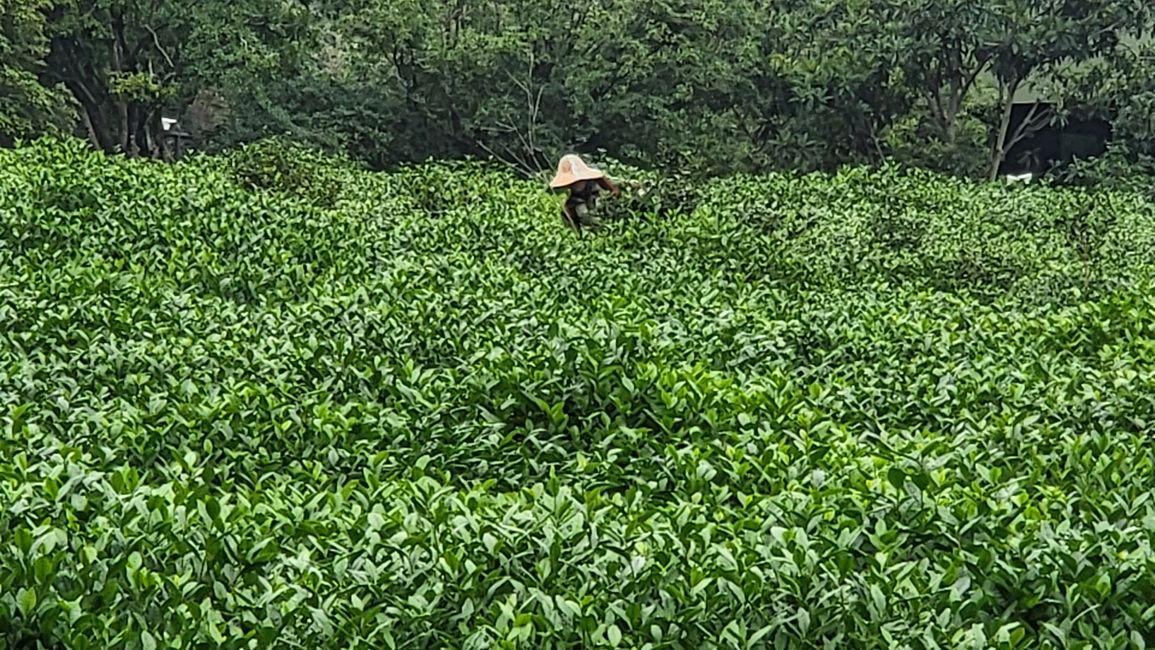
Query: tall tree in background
720	85
660	85
1032	38
515	80
126	61
121	60
27	107
951	46
818	85
1120	89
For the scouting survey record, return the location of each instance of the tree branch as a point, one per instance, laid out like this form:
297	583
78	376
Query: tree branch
1031	124
159	47
515	164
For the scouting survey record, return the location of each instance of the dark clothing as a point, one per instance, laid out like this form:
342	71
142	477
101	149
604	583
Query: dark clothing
580	204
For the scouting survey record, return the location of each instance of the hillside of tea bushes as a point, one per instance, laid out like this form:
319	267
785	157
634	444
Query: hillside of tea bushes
270	402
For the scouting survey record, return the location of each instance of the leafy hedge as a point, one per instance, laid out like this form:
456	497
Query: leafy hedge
878	409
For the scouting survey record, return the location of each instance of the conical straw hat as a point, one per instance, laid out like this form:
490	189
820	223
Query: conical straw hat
572	169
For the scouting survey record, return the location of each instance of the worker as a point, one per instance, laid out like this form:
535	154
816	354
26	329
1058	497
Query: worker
584	184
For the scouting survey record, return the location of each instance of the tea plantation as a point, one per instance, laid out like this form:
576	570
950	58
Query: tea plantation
269	402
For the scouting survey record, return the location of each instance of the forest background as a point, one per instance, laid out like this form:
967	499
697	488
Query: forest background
967	87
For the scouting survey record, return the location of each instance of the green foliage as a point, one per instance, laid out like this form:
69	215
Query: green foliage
709	87
1120	168
126	62
918	139
28	107
717	87
648	194
1120	89
143	87
873	409
285	167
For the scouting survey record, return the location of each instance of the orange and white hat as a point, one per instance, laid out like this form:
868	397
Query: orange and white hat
572	169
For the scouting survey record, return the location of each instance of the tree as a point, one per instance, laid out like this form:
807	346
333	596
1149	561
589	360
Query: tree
941	44
126	61
29	107
1120	89
951	45
1032	38
524	81
818	84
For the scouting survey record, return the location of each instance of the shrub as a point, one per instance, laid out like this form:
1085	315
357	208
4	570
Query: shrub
878	408
283	166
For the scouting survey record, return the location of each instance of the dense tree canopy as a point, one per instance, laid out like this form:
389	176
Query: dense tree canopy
28	107
717	86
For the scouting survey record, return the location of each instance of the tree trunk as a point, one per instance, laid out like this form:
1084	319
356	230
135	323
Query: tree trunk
999	148
94	123
90	129
1000	142
119	65
152	137
122	125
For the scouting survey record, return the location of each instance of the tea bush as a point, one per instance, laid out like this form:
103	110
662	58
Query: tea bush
285	167
878	409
